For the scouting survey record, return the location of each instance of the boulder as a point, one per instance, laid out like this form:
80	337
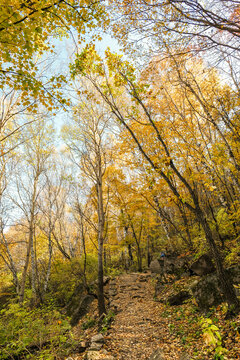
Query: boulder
73	303
157	355
207	292
155	267
173	264
202	266
234	273
82	309
179	298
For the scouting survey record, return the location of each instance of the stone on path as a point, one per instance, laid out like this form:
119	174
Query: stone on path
157	355
98	338
97	355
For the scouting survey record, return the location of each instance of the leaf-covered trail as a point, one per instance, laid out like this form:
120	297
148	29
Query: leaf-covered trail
139	327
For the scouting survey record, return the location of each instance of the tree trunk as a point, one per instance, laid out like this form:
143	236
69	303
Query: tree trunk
33	266
148	253
49	260
224	280
139	258
24	274
130	254
101	300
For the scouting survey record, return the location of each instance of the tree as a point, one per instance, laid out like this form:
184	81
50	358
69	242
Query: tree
186	26
37	148
87	142
132	216
26	32
168	156
52	208
7	242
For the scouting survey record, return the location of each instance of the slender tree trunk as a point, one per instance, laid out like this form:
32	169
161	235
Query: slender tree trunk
84	255
148	253
130	254
49	260
10	263
101	300
33	264
24	274
30	248
139	258
185	221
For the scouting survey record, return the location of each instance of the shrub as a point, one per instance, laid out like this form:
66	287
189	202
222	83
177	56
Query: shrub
66	276
34	334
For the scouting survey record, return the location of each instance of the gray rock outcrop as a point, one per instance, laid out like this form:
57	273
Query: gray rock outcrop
179	298
155	267
82	309
203	266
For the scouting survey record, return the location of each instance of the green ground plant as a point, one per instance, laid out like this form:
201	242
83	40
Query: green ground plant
39	333
107	320
213	338
90	322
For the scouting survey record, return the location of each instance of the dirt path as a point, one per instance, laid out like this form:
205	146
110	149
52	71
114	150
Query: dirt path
142	325
139	327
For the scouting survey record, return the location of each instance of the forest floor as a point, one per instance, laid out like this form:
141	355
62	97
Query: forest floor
143	324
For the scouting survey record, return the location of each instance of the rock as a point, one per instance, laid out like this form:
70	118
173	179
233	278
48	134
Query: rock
234	273
98	338
81	347
173	264
97	355
179	298
95	346
202	266
155	267
207	292
82	309
157	355
92	355
107	356
170	265
159	286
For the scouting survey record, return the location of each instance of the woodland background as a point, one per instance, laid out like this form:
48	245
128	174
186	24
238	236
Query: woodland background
147	159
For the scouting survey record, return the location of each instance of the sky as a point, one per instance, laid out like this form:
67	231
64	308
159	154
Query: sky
65	50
